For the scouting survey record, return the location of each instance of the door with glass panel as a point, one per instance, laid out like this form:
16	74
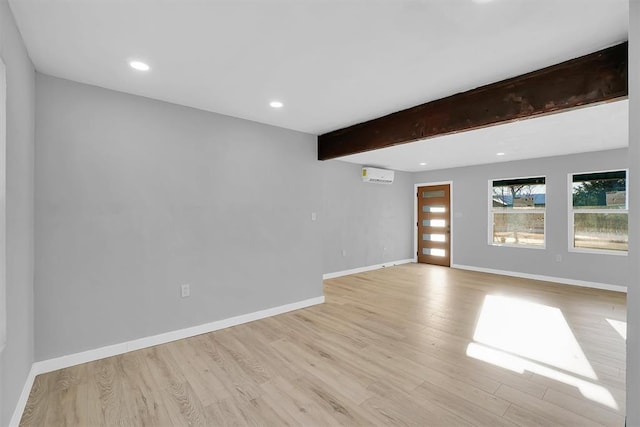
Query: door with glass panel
434	230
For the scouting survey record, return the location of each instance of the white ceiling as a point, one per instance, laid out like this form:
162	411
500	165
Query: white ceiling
333	63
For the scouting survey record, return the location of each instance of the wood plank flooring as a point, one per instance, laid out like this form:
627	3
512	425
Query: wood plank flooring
411	345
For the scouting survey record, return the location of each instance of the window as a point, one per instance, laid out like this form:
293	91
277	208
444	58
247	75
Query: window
598	212
517	212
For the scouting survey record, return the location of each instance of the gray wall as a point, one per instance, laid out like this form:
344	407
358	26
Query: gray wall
470	222
372	223
16	359
135	197
633	295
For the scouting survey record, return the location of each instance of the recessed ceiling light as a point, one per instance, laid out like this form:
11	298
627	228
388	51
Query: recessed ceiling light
276	104
140	66
500	154
423	163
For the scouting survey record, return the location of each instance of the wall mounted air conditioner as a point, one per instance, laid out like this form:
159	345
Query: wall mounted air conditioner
378	176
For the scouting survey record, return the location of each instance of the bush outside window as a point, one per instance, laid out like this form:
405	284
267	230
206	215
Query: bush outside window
598	212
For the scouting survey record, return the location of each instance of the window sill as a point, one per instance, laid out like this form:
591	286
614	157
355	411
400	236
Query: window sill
598	252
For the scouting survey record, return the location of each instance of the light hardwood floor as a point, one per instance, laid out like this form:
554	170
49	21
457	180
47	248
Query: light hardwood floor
409	345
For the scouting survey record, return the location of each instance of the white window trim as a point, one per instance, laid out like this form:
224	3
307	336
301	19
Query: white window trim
532	211
570	213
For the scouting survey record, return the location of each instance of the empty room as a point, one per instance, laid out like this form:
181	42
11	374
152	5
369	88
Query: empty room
318	213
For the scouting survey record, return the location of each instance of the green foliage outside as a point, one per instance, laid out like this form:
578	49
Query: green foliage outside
593	194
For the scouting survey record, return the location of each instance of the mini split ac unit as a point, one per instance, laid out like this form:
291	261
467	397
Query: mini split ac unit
379	176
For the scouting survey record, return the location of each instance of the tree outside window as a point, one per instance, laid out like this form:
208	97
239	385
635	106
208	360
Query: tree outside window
518	212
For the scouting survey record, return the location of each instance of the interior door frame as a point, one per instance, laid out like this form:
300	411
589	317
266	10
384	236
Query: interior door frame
415	217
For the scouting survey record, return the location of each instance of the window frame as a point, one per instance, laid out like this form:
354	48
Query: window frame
571	214
491	213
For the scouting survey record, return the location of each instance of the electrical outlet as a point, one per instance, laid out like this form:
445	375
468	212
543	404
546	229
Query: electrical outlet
314	216
344	252
185	291
558	258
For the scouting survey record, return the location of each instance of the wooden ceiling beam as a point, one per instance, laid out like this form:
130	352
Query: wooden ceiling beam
595	78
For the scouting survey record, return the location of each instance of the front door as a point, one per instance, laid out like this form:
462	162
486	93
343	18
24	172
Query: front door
434	224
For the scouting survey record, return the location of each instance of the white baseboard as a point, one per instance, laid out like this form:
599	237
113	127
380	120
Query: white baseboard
561	280
24	396
49	365
363	269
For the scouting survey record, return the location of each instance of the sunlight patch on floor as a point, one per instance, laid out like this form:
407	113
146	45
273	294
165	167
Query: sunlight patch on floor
591	391
620	327
521	336
535	331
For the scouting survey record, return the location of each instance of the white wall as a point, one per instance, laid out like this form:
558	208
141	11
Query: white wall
470	222
633	296
371	223
16	359
135	197
3	205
